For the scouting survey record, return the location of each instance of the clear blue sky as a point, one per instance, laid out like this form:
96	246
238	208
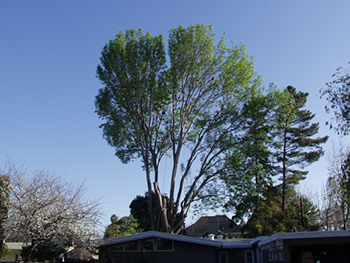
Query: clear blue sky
49	51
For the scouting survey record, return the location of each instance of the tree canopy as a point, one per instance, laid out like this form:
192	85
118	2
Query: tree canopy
277	139
127	225
295	144
187	109
338	97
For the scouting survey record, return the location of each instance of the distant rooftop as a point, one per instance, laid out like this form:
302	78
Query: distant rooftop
202	227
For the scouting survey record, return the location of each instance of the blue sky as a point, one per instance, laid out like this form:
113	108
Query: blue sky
49	51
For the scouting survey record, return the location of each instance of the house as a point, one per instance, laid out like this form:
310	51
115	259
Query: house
158	247
15	251
217	225
329	246
79	254
295	247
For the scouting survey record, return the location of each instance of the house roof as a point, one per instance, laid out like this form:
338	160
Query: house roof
15	246
231	243
306	235
201	226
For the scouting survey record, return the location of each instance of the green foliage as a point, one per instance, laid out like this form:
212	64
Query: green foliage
250	169
278	139
338	97
151	110
295	145
4	250
124	226
139	210
132	68
345	180
300	213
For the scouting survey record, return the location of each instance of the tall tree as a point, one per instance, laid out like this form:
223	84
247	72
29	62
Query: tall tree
190	108
338	96
250	170
295	144
336	215
44	207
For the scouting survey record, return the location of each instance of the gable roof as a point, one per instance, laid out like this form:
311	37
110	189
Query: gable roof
201	226
231	243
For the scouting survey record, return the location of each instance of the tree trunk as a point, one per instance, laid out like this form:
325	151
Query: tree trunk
29	254
284	171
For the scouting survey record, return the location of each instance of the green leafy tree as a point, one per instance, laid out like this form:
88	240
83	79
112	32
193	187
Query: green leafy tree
124	226
338	97
296	146
300	213
139	210
250	170
188	111
266	220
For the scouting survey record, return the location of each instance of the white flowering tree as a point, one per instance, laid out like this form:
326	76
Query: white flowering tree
44	207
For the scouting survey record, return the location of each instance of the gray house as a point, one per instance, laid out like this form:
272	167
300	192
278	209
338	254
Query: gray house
158	247
296	247
305	247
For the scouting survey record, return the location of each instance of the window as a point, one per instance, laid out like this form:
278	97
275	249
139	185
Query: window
149	244
131	246
223	257
249	256
164	244
146	244
116	247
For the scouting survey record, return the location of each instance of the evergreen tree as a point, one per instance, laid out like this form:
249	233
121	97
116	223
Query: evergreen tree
250	171
296	147
124	226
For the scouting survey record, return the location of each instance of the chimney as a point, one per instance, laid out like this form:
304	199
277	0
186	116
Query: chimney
213	225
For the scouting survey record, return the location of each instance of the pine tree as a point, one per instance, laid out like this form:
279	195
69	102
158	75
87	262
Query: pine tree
296	147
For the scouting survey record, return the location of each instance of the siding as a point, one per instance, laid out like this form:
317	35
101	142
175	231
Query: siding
183	252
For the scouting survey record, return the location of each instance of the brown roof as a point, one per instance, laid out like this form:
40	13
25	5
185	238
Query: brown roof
201	227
